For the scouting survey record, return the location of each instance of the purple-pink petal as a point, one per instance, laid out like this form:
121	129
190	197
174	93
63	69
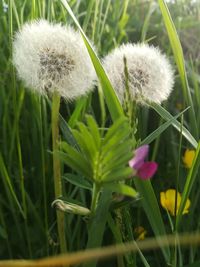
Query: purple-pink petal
139	156
147	170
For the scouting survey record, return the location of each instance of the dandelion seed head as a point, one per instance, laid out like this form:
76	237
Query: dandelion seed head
150	75
50	57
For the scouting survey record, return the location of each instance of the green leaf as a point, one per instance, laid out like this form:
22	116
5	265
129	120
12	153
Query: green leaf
122	135
112	100
100	159
122	189
98	223
189	184
119	123
75	161
179	58
78	111
89	139
150	205
176	124
84	146
93	127
150	138
67	133
121	160
113	155
117	174
8	184
77	180
3	233
194	264
118	139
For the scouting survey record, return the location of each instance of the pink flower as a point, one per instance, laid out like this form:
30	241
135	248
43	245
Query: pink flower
144	170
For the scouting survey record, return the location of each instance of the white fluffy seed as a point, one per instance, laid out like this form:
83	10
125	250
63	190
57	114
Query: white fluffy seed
150	75
51	57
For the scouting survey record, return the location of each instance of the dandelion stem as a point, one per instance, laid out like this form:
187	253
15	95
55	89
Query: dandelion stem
57	170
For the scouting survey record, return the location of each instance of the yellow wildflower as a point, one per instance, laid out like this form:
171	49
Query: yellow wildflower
167	200
140	233
188	158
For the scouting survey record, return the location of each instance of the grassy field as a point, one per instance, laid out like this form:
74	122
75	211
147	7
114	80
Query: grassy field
31	164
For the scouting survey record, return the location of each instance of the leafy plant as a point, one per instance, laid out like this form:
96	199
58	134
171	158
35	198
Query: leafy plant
102	155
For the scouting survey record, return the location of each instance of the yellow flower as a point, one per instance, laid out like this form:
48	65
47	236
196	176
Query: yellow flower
140	233
188	158
167	200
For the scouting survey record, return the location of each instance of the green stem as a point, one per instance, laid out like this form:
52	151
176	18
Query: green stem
44	182
95	197
98	221
127	232
57	170
176	245
33	10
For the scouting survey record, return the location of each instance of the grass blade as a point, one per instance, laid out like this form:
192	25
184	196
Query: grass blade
112	100
189	183
98	223
179	58
176	124
150	138
4	174
152	210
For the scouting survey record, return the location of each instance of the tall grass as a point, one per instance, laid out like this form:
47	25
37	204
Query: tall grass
28	226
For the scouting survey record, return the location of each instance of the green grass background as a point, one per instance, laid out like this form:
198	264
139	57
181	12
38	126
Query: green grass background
27	221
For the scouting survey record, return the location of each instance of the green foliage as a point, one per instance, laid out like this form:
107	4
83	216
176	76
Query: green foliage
27	222
176	124
179	58
109	93
190	181
103	157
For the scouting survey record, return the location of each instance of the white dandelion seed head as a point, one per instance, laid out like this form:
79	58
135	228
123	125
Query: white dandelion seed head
51	57
150	75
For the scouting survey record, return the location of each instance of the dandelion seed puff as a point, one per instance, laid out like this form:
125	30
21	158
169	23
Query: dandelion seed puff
150	75
50	57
